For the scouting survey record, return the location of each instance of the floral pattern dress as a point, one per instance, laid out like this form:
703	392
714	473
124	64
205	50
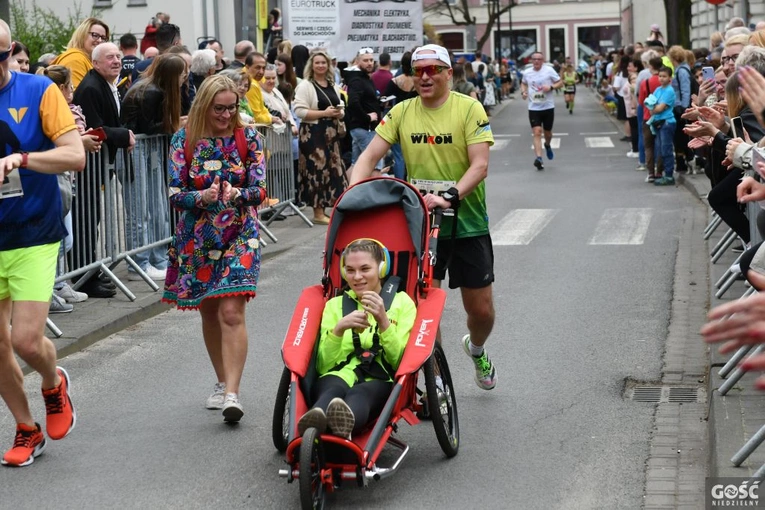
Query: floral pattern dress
215	250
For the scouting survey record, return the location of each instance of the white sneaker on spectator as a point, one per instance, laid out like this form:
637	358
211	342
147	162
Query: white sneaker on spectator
631	154
151	271
58	305
70	295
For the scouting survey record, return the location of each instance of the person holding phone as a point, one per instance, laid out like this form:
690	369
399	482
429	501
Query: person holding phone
663	122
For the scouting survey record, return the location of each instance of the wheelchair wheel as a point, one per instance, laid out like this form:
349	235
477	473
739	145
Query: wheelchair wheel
311	463
442	402
281	420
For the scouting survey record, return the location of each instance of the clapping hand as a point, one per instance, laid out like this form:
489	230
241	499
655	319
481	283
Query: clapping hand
698	143
211	194
229	193
356	320
753	91
749	190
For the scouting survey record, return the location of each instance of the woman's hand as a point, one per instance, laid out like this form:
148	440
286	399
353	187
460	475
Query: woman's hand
753	91
713	115
700	128
332	112
749	189
730	149
373	304
356	320
211	194
698	143
706	89
229	193
183	120
91	143
691	114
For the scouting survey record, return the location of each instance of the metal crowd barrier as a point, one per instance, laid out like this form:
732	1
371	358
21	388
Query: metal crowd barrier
120	208
280	178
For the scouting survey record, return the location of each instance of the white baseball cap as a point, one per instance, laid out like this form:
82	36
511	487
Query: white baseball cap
432	51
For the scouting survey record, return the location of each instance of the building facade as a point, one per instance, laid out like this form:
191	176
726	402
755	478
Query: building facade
557	28
707	18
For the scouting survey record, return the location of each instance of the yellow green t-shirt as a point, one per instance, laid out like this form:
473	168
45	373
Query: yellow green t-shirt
434	142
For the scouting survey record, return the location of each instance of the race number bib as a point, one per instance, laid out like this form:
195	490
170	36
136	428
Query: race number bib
11	186
425	186
538	97
569	89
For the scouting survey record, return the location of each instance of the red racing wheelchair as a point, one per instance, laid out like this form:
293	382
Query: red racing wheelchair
394	213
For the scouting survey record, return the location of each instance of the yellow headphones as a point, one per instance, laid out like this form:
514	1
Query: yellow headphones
384	265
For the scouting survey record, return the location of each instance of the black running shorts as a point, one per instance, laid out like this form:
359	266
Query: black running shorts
472	262
544	118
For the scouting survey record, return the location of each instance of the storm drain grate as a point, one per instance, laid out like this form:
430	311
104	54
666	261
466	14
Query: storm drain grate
666	394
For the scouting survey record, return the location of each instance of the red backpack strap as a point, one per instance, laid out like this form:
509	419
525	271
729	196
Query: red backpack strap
242	147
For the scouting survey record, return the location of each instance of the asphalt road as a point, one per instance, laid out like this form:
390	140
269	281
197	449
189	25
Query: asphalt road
582	295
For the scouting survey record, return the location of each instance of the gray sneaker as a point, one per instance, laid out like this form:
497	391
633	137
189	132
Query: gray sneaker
340	418
58	305
215	401
70	295
313	418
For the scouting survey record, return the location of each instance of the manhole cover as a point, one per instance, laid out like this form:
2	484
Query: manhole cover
661	394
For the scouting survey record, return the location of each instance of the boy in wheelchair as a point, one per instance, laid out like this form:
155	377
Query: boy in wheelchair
359	351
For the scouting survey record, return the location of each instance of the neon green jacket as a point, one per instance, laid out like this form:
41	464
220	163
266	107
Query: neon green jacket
334	350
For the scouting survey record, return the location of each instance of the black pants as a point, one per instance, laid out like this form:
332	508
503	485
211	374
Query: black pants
366	399
682	152
634	133
723	200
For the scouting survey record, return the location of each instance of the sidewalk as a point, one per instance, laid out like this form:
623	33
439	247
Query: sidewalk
737	416
734	418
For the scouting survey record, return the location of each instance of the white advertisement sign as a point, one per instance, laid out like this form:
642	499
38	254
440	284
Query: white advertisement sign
343	27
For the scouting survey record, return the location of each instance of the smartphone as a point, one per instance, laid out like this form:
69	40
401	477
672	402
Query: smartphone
708	72
98	132
737	125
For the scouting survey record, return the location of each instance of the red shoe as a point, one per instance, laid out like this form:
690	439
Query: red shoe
29	443
59	410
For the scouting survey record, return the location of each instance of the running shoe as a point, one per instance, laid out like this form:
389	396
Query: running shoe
215	401
632	154
340	418
650	178
538	164
313	418
29	443
664	181
641	168
485	373
550	154
58	305
232	409
68	294
60	414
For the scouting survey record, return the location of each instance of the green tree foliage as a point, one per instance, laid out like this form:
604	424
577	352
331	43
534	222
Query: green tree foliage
41	29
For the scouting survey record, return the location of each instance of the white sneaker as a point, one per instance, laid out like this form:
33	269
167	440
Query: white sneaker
232	409
152	272
70	295
641	168
215	401
631	154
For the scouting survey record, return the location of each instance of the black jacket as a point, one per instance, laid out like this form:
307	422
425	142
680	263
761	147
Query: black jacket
362	100
142	110
98	105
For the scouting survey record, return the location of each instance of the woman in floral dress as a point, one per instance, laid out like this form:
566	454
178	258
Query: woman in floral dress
215	255
321	172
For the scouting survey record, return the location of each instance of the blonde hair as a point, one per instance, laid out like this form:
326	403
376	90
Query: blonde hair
741	39
677	54
284	47
715	40
83	32
308	72
198	126
60	75
757	38
733	96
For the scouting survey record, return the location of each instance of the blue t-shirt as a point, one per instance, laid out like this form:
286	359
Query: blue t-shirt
33	113
667	96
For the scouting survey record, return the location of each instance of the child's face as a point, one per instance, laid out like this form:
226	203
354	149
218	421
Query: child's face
68	91
664	78
699	77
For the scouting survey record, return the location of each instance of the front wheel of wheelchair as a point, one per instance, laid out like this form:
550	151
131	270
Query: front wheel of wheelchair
312	491
442	402
280	427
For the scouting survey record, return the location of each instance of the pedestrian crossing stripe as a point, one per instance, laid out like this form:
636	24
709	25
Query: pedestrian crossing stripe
521	226
499	145
622	226
616	226
554	143
598	142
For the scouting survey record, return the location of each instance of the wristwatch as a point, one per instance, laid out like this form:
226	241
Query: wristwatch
452	195
24	159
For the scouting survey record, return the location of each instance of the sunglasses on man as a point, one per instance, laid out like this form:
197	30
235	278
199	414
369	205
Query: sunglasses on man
429	70
5	54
